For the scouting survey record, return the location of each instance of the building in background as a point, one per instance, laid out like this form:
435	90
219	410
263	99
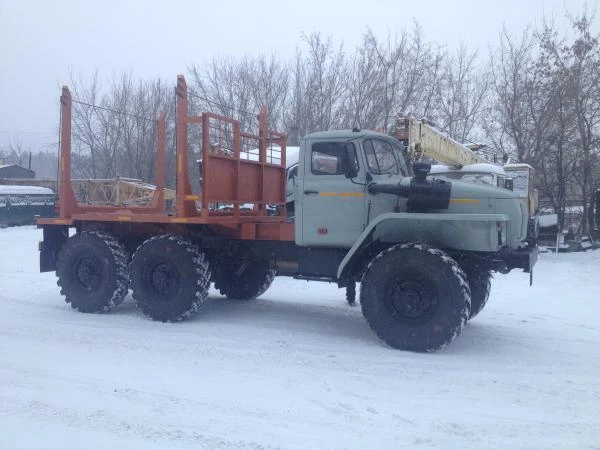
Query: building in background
15	171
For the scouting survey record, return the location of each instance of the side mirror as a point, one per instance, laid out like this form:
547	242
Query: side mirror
508	184
350	171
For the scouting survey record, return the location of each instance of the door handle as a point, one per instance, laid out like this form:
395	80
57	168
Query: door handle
311	192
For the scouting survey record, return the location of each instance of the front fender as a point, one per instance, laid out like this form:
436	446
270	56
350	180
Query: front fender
463	232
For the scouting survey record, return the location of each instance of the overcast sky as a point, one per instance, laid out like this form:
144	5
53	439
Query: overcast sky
43	42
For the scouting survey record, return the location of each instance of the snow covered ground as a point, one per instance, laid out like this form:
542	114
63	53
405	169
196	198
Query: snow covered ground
297	369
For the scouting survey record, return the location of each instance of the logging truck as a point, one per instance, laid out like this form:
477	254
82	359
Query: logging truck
423	249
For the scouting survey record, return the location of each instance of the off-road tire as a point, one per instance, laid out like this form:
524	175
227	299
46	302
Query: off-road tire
170	278
480	283
415	297
251	283
92	271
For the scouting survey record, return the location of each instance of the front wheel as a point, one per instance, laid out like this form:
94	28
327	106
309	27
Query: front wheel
169	278
415	297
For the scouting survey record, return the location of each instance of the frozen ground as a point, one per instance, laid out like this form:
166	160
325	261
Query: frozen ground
297	369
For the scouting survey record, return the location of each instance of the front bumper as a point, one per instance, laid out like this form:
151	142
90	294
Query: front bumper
507	259
523	258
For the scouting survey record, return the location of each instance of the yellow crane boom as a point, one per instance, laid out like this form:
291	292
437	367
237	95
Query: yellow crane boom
421	139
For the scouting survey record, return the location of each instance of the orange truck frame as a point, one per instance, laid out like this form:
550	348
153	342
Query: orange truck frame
164	255
227	178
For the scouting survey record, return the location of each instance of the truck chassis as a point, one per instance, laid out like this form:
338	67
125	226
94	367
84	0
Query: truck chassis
169	258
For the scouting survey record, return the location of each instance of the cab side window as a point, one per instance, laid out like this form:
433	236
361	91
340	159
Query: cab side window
327	157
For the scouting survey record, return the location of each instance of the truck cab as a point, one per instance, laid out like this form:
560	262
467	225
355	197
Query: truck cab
355	184
333	205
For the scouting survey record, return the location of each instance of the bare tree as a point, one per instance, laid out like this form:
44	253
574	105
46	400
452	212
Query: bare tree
16	153
85	127
509	123
114	132
576	65
224	87
405	77
461	93
319	84
139	140
366	81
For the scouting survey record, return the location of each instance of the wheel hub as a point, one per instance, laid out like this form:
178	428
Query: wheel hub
410	300
87	273
164	279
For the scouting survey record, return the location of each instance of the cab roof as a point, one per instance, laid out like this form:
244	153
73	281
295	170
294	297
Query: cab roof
345	134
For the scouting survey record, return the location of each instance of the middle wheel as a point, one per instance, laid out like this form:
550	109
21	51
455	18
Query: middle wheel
169	278
249	281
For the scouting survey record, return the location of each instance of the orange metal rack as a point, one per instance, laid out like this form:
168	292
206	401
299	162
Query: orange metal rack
231	174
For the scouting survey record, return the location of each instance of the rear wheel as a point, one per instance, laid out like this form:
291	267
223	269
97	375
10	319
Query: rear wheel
169	278
92	271
249	281
415	297
480	284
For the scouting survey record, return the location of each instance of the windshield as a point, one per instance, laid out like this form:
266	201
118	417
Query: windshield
383	158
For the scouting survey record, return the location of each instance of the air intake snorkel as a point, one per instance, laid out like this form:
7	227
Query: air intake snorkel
422	194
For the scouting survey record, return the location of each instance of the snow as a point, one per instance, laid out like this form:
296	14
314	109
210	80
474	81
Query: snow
291	156
548	220
518	166
274	154
468	168
7	189
297	368
440	168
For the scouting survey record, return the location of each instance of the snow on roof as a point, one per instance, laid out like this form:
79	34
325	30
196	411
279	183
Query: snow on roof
7	189
548	220
484	167
2	166
291	155
440	168
517	166
469	168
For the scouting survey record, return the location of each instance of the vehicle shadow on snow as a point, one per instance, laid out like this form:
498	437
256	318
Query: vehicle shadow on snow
276	316
486	339
288	317
477	338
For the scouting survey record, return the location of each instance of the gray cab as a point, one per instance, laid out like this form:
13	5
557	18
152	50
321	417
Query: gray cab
355	187
333	204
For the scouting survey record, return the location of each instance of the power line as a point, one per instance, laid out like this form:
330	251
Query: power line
212	102
104	108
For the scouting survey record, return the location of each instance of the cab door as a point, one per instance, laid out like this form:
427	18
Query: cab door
332	207
385	164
